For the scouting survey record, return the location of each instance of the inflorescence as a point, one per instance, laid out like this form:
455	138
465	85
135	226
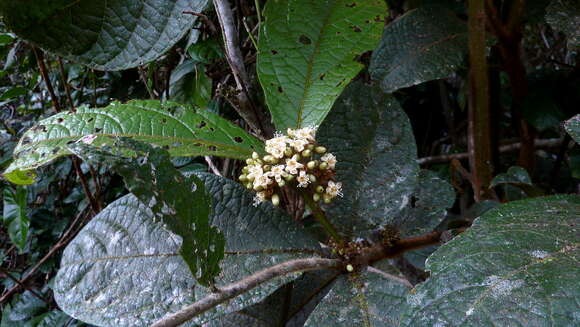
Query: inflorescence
293	160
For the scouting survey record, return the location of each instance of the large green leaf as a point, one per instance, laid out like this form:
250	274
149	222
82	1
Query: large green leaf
573	127
564	15
15	217
105	35
308	53
517	265
365	299
424	44
124	270
183	130
372	139
179	202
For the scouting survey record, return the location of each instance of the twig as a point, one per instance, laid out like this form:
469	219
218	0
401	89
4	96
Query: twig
232	290
394	278
236	61
540	144
33	292
93	202
144	80
205	19
65	84
44	73
211	165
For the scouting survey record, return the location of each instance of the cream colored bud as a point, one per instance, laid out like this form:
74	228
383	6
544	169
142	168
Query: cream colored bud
316	197
288	152
320	189
249	186
255	155
269	159
245	170
258	188
306	153
243	178
326	198
323	165
349	268
289	177
267	167
275	199
320	149
310	147
250	178
281	183
259	161
296	157
250	161
312	178
311	164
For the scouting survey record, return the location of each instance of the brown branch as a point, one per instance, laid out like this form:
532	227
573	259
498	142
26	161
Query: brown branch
235	59
232	290
93	202
65	84
19	283
44	73
513	147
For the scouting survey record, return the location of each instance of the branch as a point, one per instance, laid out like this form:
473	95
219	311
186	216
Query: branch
236	61
232	290
394	278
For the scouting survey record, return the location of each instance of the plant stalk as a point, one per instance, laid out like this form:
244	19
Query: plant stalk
321	217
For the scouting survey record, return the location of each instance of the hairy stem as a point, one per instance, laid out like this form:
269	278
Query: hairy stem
321	217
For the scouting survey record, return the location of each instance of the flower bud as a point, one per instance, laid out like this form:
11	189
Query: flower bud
320	149
258	188
306	153
326	198
267	167
312	178
316	197
275	199
311	164
249	185
349	268
288	152
269	159
255	155
250	178
310	147
281	183
323	165
243	178
259	161
296	157
250	161
245	170
289	177
319	189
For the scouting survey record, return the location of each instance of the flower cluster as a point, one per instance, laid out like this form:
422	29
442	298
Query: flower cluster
294	160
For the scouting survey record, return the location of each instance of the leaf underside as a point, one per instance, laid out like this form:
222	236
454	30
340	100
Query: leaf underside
517	264
104	35
572	126
308	53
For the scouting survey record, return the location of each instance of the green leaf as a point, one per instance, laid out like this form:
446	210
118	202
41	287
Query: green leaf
24	308
15	217
124	270
13	93
105	35
572	126
517	265
184	130
366	299
189	84
372	139
427	206
308	53
179	202
425	44
564	15
518	177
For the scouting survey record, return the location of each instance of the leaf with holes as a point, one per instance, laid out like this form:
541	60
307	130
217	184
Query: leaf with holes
308	52
572	126
105	35
362	299
183	130
179	202
424	44
123	269
517	263
372	139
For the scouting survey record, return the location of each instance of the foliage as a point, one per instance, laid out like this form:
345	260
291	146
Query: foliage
120	191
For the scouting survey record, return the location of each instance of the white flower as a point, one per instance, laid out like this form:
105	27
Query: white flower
259	198
334	189
276	146
255	171
277	172
298	144
306	133
303	179
292	166
330	159
262	180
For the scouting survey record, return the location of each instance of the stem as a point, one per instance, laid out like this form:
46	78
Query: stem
321	217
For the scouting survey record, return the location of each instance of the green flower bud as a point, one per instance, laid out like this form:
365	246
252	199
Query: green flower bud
281	183
268	159
316	197
288	152
326	198
310	147
255	155
250	178
259	161
319	189
275	200
243	178
267	167
289	177
320	149
249	186
296	157
245	170
349	268
250	161
306	153
311	164
323	165
312	178
258	188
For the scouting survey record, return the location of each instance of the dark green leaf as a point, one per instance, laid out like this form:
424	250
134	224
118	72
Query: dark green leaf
184	130
366	299
573	127
15	217
24	309
189	84
308	52
105	35
424	44
518	177
180	203
517	265
564	15
13	93
372	139
124	270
